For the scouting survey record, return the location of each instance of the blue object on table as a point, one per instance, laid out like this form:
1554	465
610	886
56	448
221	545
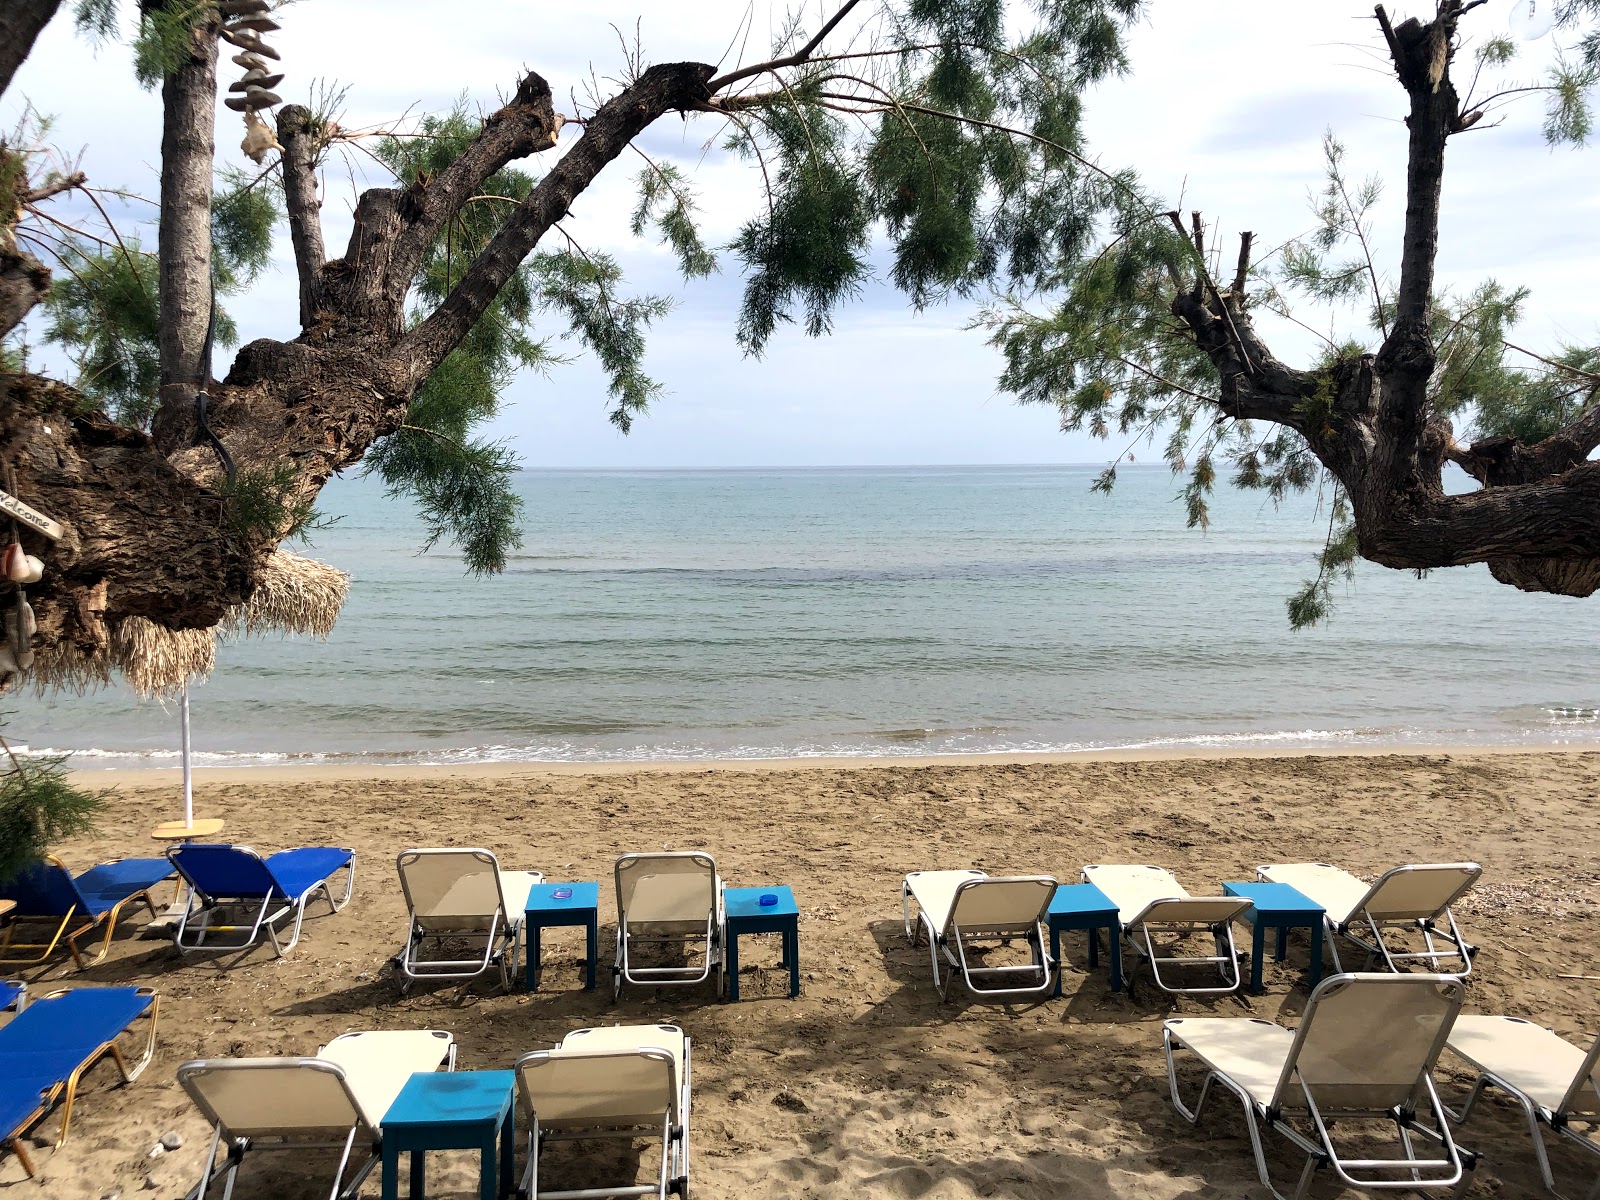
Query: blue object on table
1084	906
562	904
1281	907
763	910
452	1110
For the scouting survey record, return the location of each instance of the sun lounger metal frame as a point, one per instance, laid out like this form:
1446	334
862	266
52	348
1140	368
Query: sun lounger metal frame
502	940
239	1146
266	917
54	1087
1569	1111
949	932
714	934
1180	914
80	909
1293	1093
672	1175
1374	944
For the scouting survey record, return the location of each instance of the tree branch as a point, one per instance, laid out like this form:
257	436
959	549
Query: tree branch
20	24
606	134
302	204
189	102
526	125
788	60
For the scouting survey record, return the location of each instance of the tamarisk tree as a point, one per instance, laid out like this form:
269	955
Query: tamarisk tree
1152	333
949	127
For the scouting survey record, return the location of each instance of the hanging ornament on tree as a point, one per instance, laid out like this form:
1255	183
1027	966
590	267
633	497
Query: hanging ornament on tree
1532	19
244	22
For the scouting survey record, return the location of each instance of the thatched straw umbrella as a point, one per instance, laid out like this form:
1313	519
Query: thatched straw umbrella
293	595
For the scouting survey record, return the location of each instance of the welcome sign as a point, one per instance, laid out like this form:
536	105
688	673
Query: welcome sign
30	517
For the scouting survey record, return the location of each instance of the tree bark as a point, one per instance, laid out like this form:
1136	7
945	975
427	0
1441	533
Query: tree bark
189	99
304	209
21	22
24	281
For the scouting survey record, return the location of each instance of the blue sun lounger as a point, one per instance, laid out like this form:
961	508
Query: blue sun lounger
236	877
13	994
48	1046
46	893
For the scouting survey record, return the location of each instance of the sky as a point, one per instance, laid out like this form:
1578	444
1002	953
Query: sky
1224	110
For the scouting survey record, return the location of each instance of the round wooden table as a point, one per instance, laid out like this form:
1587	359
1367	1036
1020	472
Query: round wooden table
178	831
5	908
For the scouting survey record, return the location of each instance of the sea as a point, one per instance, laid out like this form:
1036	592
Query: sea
845	612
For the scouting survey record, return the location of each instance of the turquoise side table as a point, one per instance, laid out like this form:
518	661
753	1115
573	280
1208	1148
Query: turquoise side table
746	914
452	1110
1084	906
1281	907
579	905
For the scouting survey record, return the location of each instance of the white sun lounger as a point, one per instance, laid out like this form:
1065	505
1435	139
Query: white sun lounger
958	908
1553	1080
627	1081
1364	1052
1414	897
461	895
1151	902
326	1102
668	899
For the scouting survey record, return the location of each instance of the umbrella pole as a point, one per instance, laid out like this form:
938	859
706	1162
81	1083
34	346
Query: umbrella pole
188	787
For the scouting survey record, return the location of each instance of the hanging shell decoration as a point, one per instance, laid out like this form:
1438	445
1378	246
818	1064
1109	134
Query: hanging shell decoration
243	24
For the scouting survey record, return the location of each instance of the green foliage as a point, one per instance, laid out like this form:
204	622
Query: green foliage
971	160
165	40
97	19
461	486
38	807
105	312
666	201
266	504
1313	603
1542	402
810	245
581	288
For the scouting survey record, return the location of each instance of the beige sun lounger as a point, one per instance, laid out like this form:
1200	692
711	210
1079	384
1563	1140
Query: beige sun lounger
960	908
1413	897
627	1081
1364	1052
1553	1080
671	899
1151	902
456	895
309	1103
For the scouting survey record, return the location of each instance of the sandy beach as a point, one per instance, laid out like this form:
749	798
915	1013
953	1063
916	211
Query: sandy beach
866	1085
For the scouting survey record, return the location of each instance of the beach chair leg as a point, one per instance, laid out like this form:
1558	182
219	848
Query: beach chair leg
349	886
621	962
21	1152
339	1190
528	1189
942	986
912	931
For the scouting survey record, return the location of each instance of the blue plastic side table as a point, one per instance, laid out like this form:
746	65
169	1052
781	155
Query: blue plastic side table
1084	906
1281	907
746	914
580	906
452	1110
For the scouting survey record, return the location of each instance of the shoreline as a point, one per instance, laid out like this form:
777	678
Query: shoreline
140	778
